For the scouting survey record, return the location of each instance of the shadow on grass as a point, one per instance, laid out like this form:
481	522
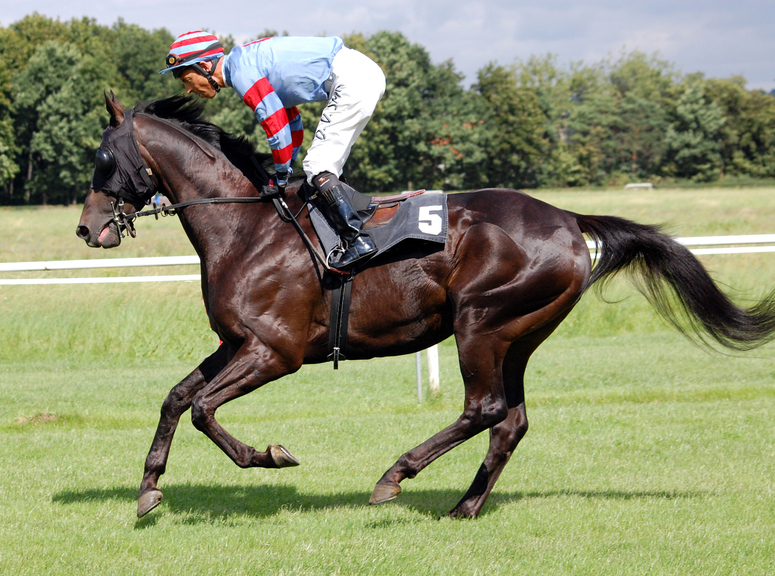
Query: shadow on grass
205	503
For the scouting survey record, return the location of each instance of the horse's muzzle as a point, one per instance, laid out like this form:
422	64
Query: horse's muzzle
106	236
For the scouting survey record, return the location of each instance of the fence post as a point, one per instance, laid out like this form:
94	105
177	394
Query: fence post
418	364
433	370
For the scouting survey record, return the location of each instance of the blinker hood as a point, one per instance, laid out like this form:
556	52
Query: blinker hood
119	169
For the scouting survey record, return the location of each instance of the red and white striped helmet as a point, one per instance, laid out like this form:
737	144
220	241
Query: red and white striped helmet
192	48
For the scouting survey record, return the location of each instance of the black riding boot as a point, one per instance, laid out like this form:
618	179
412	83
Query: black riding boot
346	220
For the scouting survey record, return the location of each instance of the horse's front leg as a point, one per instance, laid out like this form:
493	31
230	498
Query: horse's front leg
177	402
253	365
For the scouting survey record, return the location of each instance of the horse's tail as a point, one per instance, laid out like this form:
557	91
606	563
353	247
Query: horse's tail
676	284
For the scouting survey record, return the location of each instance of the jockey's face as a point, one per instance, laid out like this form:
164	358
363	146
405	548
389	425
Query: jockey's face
195	83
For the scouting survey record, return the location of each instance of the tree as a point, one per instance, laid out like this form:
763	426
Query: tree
47	70
587	153
56	95
516	127
647	77
748	133
641	140
8	166
694	137
139	56
458	150
408	140
645	90
26	35
64	147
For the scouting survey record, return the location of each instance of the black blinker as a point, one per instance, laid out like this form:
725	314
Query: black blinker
105	162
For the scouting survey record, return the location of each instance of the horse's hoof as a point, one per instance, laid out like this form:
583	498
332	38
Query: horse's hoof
459	513
148	501
384	493
282	458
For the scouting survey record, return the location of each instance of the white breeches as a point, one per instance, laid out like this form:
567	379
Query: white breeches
357	85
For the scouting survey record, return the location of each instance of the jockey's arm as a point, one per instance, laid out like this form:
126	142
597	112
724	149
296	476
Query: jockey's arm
297	130
268	109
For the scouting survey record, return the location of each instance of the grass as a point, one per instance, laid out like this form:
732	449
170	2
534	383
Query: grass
685	212
645	455
626	470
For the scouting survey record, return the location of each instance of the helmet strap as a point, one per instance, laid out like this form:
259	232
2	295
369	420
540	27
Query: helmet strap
207	74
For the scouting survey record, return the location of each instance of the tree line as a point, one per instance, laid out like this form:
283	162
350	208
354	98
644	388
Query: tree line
531	123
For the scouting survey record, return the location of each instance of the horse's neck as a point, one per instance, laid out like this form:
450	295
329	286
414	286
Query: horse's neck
191	169
189	173
215	228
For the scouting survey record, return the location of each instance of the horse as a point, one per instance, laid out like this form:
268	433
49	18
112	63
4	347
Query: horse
512	268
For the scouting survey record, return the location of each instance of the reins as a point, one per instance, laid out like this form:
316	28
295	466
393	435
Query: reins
172	209
283	211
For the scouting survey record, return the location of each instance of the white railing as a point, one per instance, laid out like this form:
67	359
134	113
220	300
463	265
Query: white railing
96	263
731	244
753	243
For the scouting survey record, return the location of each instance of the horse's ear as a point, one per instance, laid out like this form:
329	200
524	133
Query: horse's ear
115	109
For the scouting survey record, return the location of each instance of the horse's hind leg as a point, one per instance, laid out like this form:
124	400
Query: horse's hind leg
177	402
506	435
504	438
484	406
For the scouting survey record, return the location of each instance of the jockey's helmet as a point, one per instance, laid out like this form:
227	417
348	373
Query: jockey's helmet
191	48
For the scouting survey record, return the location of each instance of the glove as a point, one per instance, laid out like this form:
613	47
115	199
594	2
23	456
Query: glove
282	178
271	190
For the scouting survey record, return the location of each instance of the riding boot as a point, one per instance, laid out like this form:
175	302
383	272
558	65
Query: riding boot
346	221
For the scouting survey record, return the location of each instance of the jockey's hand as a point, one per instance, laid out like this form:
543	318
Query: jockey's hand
272	189
276	185
281	178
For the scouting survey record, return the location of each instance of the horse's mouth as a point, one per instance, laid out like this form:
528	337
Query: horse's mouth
109	236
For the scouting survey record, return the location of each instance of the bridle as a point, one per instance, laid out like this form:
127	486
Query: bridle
122	220
121	173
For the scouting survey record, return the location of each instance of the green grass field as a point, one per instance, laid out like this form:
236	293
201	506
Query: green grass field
645	455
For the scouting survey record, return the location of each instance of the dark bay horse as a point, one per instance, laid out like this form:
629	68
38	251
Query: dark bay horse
512	269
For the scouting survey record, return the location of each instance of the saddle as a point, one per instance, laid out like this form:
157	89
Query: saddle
388	221
381	209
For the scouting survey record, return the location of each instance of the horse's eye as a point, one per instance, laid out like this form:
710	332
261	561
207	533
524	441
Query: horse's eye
105	162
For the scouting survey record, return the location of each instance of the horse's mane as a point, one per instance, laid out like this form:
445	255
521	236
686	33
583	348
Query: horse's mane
188	113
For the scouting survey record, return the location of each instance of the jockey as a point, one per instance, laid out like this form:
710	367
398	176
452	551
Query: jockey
272	76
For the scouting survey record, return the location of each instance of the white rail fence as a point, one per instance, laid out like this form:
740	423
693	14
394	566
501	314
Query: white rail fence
752	243
97	263
700	245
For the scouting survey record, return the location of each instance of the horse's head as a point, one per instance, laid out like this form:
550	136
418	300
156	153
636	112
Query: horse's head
121	181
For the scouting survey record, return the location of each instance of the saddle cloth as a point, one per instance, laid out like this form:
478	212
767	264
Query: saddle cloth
423	217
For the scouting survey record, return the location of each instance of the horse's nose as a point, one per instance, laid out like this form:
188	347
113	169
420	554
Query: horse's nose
82	232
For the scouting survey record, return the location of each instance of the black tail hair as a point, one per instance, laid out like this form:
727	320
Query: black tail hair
676	284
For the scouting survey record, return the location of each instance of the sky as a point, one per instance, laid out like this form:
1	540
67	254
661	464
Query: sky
716	37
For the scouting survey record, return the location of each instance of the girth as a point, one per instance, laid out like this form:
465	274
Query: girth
340	315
